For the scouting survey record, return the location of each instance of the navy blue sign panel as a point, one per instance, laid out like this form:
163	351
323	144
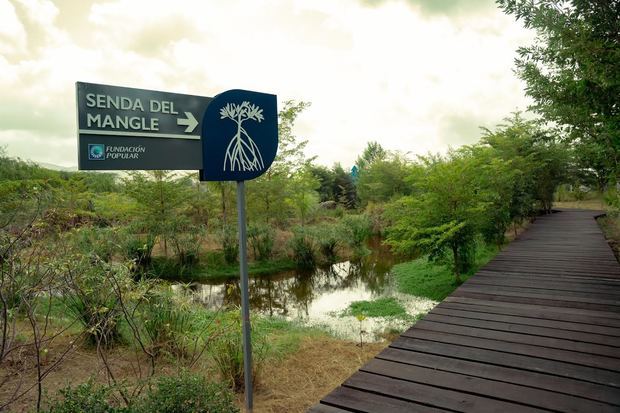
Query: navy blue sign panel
122	128
239	136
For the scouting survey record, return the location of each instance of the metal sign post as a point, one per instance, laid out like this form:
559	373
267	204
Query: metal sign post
239	142
245	299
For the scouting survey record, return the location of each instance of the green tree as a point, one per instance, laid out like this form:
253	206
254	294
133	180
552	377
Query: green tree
326	179
572	71
344	188
303	196
445	216
160	195
383	179
372	153
540	160
267	194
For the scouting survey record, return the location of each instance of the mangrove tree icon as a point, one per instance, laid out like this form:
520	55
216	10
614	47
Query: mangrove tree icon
242	153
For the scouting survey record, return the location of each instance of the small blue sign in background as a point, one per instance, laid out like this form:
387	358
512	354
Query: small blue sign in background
239	136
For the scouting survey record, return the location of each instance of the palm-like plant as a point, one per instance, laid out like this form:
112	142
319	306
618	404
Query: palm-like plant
242	153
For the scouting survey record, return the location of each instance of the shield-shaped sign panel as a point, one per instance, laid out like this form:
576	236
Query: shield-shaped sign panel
239	136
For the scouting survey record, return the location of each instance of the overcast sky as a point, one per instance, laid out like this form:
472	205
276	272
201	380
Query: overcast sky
417	75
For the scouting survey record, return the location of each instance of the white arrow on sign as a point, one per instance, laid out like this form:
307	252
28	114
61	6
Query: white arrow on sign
190	122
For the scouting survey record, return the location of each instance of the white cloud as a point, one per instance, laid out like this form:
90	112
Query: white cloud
390	73
12	32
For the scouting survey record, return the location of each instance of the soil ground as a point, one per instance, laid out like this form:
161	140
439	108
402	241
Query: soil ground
292	384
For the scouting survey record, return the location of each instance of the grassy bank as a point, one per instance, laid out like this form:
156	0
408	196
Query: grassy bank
432	280
610	224
213	268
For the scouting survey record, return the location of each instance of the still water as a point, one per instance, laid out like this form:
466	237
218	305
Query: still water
319	297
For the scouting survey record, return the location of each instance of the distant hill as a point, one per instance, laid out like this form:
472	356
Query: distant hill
54	167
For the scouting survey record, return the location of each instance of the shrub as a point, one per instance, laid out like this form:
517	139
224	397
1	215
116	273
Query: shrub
230	244
303	248
186	240
357	230
96	242
91	297
328	239
166	321
187	393
227	351
261	239
138	249
86	397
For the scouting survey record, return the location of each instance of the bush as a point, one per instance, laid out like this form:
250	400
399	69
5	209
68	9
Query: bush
230	244
96	242
227	351
86	397
138	249
328	239
166	321
186	240
303	247
187	393
91	297
261	239
357	230
170	269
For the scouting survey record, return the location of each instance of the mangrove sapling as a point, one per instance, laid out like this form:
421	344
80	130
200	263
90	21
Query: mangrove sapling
361	318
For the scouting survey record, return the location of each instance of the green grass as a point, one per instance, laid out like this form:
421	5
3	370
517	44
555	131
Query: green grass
284	336
435	281
381	307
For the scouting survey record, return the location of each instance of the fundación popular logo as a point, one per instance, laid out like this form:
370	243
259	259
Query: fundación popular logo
96	152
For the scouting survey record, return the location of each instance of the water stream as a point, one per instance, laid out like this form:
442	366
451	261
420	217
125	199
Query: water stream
318	297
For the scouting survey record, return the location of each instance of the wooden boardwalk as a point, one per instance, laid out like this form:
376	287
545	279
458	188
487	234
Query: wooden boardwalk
537	329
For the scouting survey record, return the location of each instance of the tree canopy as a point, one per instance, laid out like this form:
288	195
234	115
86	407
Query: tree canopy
572	71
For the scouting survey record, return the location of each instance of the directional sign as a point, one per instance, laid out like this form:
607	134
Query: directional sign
239	136
126	128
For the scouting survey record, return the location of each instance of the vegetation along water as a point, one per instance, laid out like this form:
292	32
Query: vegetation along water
118	292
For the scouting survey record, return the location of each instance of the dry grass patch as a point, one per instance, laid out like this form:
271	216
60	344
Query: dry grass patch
302	379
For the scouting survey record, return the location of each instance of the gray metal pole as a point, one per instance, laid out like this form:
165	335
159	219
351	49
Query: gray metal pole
245	301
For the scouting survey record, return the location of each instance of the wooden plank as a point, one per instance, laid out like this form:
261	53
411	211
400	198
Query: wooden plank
323	408
525	299
557	349
590	296
361	401
613	342
498	390
602	318
543	294
429	395
484	313
545	286
444	345
518	376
